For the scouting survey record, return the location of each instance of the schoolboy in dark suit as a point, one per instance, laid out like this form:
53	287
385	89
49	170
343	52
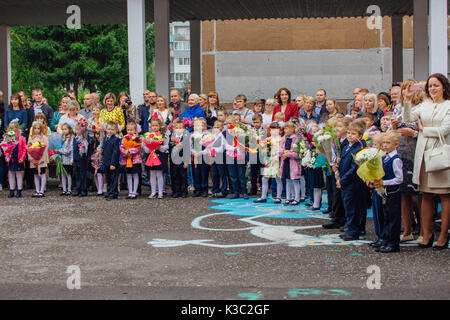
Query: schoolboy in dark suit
111	151
179	147
350	184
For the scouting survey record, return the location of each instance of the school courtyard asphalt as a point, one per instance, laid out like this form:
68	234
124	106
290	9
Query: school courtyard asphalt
183	249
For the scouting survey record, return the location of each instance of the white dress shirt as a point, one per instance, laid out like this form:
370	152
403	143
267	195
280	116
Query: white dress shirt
397	166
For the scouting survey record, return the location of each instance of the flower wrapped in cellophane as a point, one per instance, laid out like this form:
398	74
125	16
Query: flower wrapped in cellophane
131	141
9	142
153	140
370	164
56	142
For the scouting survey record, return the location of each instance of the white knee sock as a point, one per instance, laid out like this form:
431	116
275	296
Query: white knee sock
289	189
296	190
317	197
12	180
135	183
153	181
99	183
43	182
19	178
64	182
302	187
160	178
69	183
265	187
130	183
37	183
279	187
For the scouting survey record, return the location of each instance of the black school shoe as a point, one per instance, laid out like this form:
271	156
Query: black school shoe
389	249
11	193
331	225
376	244
19	194
347	237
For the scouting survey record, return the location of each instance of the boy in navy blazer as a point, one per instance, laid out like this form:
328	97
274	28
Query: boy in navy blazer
111	151
350	184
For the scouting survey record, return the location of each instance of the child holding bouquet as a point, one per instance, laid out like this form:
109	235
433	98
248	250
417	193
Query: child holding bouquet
255	162
38	156
338	212
130	148
236	157
80	159
291	169
179	159
156	146
110	150
391	207
272	164
14	148
350	184
200	141
219	170
66	152
314	174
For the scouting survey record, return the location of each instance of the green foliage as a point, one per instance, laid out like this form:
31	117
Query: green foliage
55	58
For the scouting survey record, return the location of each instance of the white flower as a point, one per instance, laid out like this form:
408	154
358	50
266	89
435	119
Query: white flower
308	159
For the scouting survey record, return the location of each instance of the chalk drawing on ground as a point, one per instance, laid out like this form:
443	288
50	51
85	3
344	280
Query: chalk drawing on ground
250	213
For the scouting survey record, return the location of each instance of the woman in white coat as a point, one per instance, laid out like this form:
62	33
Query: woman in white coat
434	120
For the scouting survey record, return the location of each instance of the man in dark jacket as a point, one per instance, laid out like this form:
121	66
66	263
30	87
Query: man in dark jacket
175	102
38	106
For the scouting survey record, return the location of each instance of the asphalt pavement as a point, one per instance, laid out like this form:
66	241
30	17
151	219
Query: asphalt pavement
182	249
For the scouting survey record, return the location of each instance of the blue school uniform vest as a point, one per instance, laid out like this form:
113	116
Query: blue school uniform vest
388	167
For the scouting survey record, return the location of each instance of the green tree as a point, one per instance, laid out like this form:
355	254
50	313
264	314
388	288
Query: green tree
56	59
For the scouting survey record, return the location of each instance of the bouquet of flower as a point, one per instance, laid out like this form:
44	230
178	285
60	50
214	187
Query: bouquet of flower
208	142
187	123
10	141
370	164
241	140
131	141
56	142
36	150
96	161
368	135
153	140
309	159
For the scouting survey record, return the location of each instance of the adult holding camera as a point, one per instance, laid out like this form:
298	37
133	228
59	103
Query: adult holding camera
129	110
430	170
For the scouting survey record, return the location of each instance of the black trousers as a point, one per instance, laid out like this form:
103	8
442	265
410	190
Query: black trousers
392	214
112	180
178	177
201	175
331	187
219	175
338	213
80	170
255	174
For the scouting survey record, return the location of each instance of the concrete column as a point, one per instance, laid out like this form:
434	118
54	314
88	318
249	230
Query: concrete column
196	61
397	48
5	63
136	49
162	52
438	37
421	39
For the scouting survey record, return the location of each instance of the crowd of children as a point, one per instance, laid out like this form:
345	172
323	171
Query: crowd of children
282	155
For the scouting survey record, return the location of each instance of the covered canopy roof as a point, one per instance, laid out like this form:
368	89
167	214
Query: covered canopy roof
51	12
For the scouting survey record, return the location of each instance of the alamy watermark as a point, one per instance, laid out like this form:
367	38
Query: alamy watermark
375	20
74	20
